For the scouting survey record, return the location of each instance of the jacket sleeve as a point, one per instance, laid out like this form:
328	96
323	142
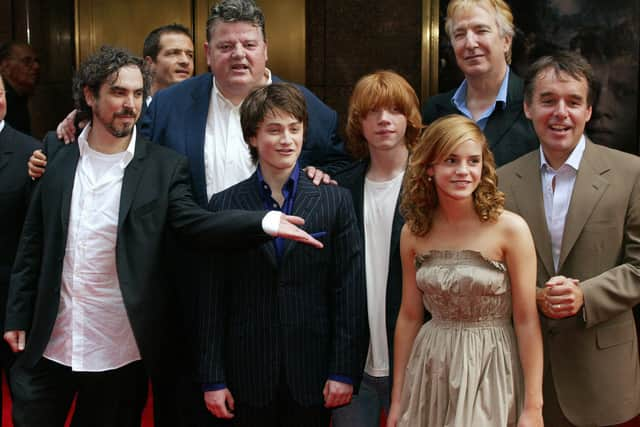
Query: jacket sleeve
23	285
350	335
233	229
617	290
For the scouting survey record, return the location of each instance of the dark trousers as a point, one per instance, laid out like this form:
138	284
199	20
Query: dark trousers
284	411
42	395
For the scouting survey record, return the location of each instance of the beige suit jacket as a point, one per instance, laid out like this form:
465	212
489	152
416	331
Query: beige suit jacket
593	359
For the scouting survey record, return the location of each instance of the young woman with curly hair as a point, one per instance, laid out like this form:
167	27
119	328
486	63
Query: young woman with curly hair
473	266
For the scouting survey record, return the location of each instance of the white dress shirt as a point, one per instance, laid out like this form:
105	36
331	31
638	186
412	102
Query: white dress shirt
1	125
556	201
379	207
92	332
227	160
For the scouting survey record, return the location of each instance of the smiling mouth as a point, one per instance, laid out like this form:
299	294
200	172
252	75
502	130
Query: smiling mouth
559	128
239	67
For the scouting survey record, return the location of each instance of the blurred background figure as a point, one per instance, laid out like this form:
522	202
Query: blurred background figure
20	67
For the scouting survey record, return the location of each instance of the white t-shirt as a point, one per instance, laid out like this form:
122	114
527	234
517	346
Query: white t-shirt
379	206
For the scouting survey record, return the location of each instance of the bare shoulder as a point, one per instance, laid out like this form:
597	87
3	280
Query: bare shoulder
512	225
407	238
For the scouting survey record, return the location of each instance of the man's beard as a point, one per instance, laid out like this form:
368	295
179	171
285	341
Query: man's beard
125	129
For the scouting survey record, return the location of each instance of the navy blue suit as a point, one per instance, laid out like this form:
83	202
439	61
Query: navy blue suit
265	324
177	118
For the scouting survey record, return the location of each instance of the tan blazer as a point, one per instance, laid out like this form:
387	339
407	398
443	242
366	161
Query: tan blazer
593	359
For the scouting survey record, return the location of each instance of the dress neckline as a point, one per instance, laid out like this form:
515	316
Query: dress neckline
459	254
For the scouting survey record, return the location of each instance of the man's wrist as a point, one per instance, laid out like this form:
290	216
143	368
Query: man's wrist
271	222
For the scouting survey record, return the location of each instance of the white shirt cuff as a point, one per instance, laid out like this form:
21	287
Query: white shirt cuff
271	222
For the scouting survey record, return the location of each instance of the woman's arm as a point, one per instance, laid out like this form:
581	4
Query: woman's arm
410	319
520	257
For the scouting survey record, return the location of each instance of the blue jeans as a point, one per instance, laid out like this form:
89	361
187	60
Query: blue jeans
364	409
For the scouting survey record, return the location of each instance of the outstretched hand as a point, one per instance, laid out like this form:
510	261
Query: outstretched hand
288	229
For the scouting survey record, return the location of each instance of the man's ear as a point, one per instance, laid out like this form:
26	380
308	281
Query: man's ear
526	109
206	53
88	96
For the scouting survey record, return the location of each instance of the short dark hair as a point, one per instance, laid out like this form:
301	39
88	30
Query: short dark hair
151	46
285	97
236	11
566	62
97	68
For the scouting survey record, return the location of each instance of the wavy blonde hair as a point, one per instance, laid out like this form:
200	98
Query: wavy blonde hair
442	137
382	89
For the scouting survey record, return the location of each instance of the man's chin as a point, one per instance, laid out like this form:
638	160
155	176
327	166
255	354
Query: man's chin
121	132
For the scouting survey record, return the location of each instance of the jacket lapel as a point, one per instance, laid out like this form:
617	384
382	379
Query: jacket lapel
502	120
304	205
196	117
131	179
589	187
248	198
68	163
527	192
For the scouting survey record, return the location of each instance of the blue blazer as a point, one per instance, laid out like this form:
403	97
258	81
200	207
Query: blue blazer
177	118
300	319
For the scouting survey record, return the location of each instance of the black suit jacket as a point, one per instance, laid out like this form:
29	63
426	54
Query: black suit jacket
156	193
15	190
509	132
299	320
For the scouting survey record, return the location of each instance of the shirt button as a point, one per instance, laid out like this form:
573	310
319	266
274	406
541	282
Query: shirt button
275	205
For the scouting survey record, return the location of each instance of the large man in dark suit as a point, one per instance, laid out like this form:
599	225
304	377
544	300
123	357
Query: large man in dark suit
582	204
88	292
15	190
199	118
281	327
481	32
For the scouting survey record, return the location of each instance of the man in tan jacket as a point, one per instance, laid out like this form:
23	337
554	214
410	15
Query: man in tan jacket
582	203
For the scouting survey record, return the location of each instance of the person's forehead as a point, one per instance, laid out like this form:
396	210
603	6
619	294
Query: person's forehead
549	78
128	75
175	40
223	30
279	115
21	51
474	14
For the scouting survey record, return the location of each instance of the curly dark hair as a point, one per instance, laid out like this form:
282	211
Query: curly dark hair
236	11
420	198
99	68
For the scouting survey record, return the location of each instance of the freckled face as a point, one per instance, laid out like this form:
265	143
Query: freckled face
384	128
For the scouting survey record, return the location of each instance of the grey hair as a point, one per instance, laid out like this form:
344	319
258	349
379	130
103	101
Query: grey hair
236	11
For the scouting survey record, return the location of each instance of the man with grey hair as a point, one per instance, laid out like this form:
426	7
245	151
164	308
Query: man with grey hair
481	32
